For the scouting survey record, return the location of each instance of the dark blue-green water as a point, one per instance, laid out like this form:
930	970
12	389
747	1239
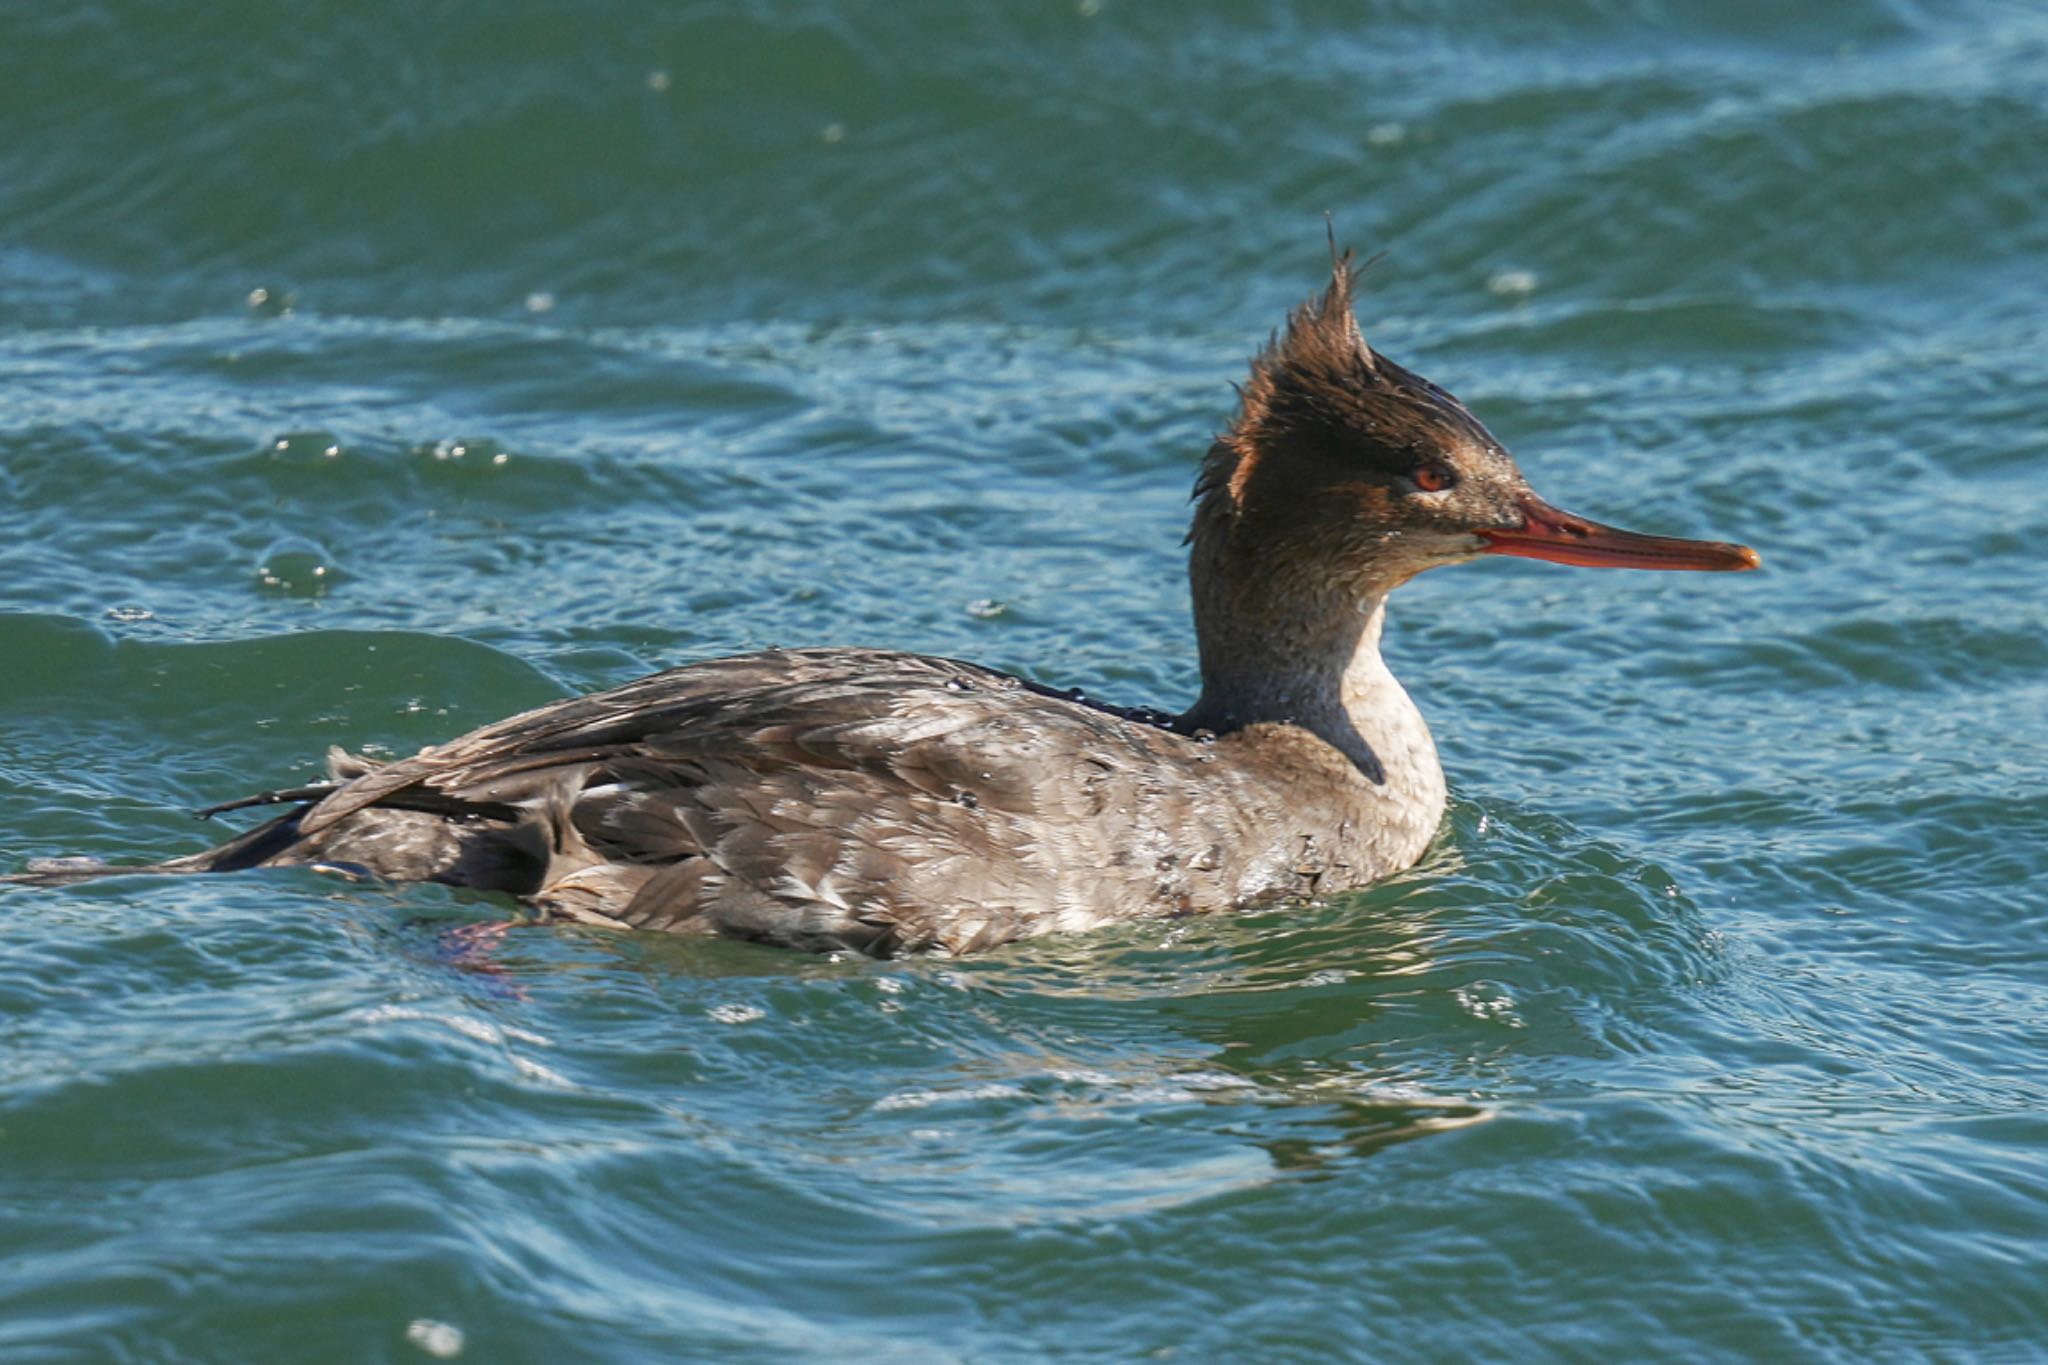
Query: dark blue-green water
368	372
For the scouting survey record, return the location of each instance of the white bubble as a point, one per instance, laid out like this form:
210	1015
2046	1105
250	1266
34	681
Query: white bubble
657	81
539	301
1386	134
1513	284
268	302
294	566
833	132
1489	1000
441	1340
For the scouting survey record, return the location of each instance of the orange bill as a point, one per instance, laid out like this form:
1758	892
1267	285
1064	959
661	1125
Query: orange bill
1549	533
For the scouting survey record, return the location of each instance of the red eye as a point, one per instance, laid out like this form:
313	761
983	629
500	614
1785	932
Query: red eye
1433	478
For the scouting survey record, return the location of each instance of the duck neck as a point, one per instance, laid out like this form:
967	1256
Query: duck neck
1313	662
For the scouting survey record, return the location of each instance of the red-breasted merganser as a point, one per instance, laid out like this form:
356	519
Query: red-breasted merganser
885	803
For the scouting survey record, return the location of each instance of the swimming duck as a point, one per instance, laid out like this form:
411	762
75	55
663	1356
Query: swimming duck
883	802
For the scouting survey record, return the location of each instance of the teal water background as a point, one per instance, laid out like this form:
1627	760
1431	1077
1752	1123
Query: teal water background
368	372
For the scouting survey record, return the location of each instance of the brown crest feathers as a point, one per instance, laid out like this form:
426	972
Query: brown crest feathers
1319	389
1321	353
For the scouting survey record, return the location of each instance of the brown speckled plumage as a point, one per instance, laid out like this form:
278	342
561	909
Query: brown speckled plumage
887	802
849	798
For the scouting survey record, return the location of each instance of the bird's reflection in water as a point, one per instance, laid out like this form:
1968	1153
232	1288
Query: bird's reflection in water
1295	1034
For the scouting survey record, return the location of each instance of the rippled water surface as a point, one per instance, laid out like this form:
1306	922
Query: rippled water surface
370	375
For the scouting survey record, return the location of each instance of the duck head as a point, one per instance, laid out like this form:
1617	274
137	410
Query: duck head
1347	469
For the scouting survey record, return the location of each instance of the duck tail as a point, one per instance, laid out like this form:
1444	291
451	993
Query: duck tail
250	849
